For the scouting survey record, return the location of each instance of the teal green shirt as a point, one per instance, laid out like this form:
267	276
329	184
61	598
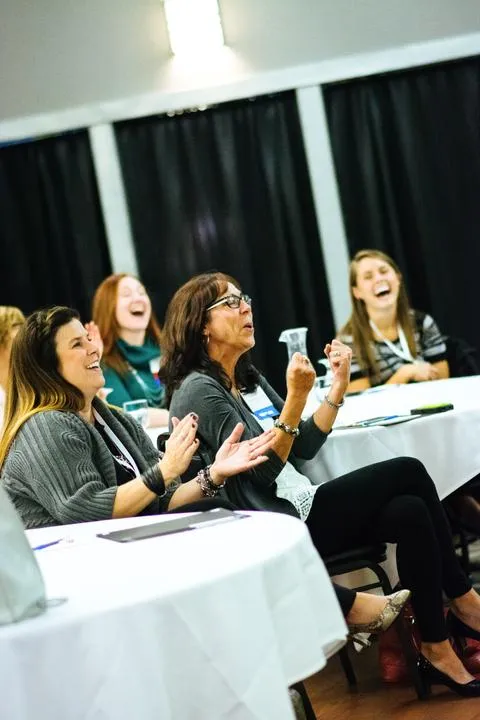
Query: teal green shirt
138	382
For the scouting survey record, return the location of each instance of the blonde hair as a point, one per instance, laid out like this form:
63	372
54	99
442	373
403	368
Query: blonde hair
34	382
10	317
358	325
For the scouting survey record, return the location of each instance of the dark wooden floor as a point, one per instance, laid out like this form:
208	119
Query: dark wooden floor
376	700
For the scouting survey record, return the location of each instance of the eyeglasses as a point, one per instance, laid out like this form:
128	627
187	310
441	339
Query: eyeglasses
233	301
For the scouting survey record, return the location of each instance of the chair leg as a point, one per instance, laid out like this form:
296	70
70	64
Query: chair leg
383	578
307	705
348	669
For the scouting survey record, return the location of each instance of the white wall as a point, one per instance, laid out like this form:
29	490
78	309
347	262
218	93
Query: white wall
58	54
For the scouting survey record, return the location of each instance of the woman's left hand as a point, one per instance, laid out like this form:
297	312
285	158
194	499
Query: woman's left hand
235	457
340	358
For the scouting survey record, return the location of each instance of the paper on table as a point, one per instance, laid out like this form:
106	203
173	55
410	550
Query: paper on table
382	420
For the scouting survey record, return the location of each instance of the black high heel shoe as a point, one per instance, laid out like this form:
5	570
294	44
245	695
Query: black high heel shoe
458	630
429	675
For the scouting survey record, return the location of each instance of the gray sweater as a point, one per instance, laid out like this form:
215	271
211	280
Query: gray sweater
59	469
218	413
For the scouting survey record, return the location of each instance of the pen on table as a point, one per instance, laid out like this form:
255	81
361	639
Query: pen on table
46	545
375	421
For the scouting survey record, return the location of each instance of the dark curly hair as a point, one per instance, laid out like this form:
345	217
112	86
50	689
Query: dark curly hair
183	340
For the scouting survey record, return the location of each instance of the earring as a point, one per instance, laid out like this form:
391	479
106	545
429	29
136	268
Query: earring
207	339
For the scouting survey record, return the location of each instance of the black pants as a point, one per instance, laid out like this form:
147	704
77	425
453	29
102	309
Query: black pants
393	501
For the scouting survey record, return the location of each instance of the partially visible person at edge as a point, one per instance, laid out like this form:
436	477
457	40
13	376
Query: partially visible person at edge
66	457
207	334
11	319
124	322
391	342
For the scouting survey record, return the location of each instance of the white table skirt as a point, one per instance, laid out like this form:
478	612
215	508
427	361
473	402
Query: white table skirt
447	443
211	623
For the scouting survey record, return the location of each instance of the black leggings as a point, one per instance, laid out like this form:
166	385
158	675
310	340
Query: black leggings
393	501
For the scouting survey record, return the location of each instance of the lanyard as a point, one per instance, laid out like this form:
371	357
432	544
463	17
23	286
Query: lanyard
403	353
140	381
118	444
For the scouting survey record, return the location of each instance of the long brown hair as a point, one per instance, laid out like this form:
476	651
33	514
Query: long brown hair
184	348
358	325
34	382
104	314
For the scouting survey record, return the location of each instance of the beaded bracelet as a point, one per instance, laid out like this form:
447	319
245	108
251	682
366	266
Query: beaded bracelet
289	429
333	405
153	479
204	479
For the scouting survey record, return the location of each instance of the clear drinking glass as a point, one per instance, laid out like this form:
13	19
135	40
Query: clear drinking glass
296	339
137	409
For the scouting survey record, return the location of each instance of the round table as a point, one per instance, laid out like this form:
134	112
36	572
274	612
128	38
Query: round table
447	443
210	623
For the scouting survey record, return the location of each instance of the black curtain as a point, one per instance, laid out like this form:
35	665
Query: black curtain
407	154
53	249
228	189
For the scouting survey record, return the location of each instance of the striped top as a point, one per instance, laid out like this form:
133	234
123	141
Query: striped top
430	347
59	470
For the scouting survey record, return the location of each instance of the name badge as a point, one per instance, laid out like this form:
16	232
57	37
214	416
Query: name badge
261	406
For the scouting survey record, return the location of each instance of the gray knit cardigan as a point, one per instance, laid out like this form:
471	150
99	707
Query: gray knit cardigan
59	469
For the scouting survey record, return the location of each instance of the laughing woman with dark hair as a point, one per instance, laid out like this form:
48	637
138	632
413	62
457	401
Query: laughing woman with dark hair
207	334
66	457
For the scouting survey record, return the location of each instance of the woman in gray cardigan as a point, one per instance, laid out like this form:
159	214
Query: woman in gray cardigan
207	334
66	457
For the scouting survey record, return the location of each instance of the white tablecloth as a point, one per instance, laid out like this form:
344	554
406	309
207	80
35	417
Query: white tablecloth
447	443
211	623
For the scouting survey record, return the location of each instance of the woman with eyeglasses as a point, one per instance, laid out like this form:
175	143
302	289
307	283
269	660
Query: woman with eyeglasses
124	322
66	457
207	334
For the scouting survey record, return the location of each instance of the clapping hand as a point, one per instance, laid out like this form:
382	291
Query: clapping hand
235	457
180	447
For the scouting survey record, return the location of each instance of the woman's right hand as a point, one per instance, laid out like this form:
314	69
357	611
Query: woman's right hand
415	372
300	375
179	448
94	334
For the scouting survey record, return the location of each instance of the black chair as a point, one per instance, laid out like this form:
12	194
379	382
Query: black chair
462	358
463	361
370	557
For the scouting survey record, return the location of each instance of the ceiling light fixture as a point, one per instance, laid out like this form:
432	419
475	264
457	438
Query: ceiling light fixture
194	26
